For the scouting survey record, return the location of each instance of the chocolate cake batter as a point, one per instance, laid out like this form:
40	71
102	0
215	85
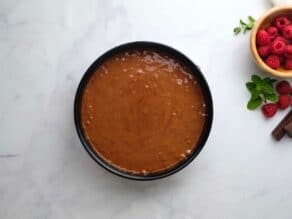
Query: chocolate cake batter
143	112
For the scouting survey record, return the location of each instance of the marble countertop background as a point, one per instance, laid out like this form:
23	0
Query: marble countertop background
46	46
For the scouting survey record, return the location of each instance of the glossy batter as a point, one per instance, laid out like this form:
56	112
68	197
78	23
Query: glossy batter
142	112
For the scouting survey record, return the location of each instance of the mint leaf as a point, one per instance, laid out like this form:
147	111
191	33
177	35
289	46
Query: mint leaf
271	97
254	103
250	86
269	80
250	25
244	26
237	30
251	19
261	90
268	89
260	85
242	22
256	79
255	94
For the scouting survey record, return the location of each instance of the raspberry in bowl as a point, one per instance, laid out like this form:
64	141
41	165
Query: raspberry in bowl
271	42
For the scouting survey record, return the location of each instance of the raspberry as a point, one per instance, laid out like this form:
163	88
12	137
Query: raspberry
278	47
272	31
288	64
263	38
287	32
282	59
264	50
281	21
273	61
269	109
284	101
281	39
283	87
288	51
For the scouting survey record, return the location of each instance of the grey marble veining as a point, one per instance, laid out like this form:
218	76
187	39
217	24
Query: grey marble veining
45	46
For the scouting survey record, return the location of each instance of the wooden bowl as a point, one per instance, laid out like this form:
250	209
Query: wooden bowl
262	23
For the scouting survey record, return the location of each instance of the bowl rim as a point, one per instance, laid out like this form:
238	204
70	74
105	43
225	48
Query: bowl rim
258	60
146	45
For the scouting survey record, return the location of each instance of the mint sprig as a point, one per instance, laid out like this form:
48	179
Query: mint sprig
244	26
261	90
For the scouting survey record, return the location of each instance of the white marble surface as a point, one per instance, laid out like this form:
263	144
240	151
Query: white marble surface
45	46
